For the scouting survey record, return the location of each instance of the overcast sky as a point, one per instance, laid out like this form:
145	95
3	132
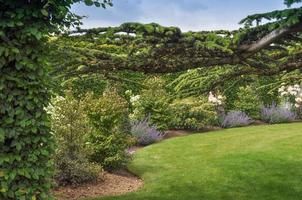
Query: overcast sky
187	14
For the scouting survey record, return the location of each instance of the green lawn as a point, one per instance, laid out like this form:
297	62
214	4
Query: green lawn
253	163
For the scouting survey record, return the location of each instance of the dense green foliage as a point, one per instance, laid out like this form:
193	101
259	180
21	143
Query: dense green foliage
81	86
192	113
252	163
109	149
153	102
110	136
248	102
25	140
222	58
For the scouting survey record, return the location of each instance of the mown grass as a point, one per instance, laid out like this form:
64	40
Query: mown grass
251	163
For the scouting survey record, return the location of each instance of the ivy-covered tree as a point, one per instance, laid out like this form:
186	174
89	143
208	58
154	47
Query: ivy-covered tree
26	144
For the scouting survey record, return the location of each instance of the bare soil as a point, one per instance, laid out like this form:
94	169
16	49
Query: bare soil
110	184
176	133
180	133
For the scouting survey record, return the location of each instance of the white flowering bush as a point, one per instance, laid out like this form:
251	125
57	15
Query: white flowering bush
289	90
291	95
134	99
135	105
218	103
216	100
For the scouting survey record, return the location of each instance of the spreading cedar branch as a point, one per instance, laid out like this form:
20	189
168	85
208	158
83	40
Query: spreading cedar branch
259	48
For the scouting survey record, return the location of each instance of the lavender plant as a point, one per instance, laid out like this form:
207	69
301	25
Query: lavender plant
235	119
145	133
274	114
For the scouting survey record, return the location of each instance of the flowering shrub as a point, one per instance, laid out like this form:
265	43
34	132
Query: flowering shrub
274	114
235	119
291	94
218	101
145	133
134	99
289	90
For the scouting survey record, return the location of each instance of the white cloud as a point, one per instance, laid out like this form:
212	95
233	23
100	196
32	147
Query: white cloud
187	14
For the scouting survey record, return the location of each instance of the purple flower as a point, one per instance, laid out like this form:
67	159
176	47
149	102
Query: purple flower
145	133
274	114
235	119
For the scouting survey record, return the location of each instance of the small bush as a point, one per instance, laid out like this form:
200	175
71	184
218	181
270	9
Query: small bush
109	149
145	133
108	112
274	114
74	169
110	136
235	119
153	101
192	113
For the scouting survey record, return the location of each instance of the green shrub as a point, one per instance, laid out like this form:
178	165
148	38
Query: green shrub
153	102
192	113
70	126
248	102
109	149
109	112
110	137
75	168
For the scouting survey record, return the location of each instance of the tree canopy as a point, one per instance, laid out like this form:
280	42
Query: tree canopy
262	48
